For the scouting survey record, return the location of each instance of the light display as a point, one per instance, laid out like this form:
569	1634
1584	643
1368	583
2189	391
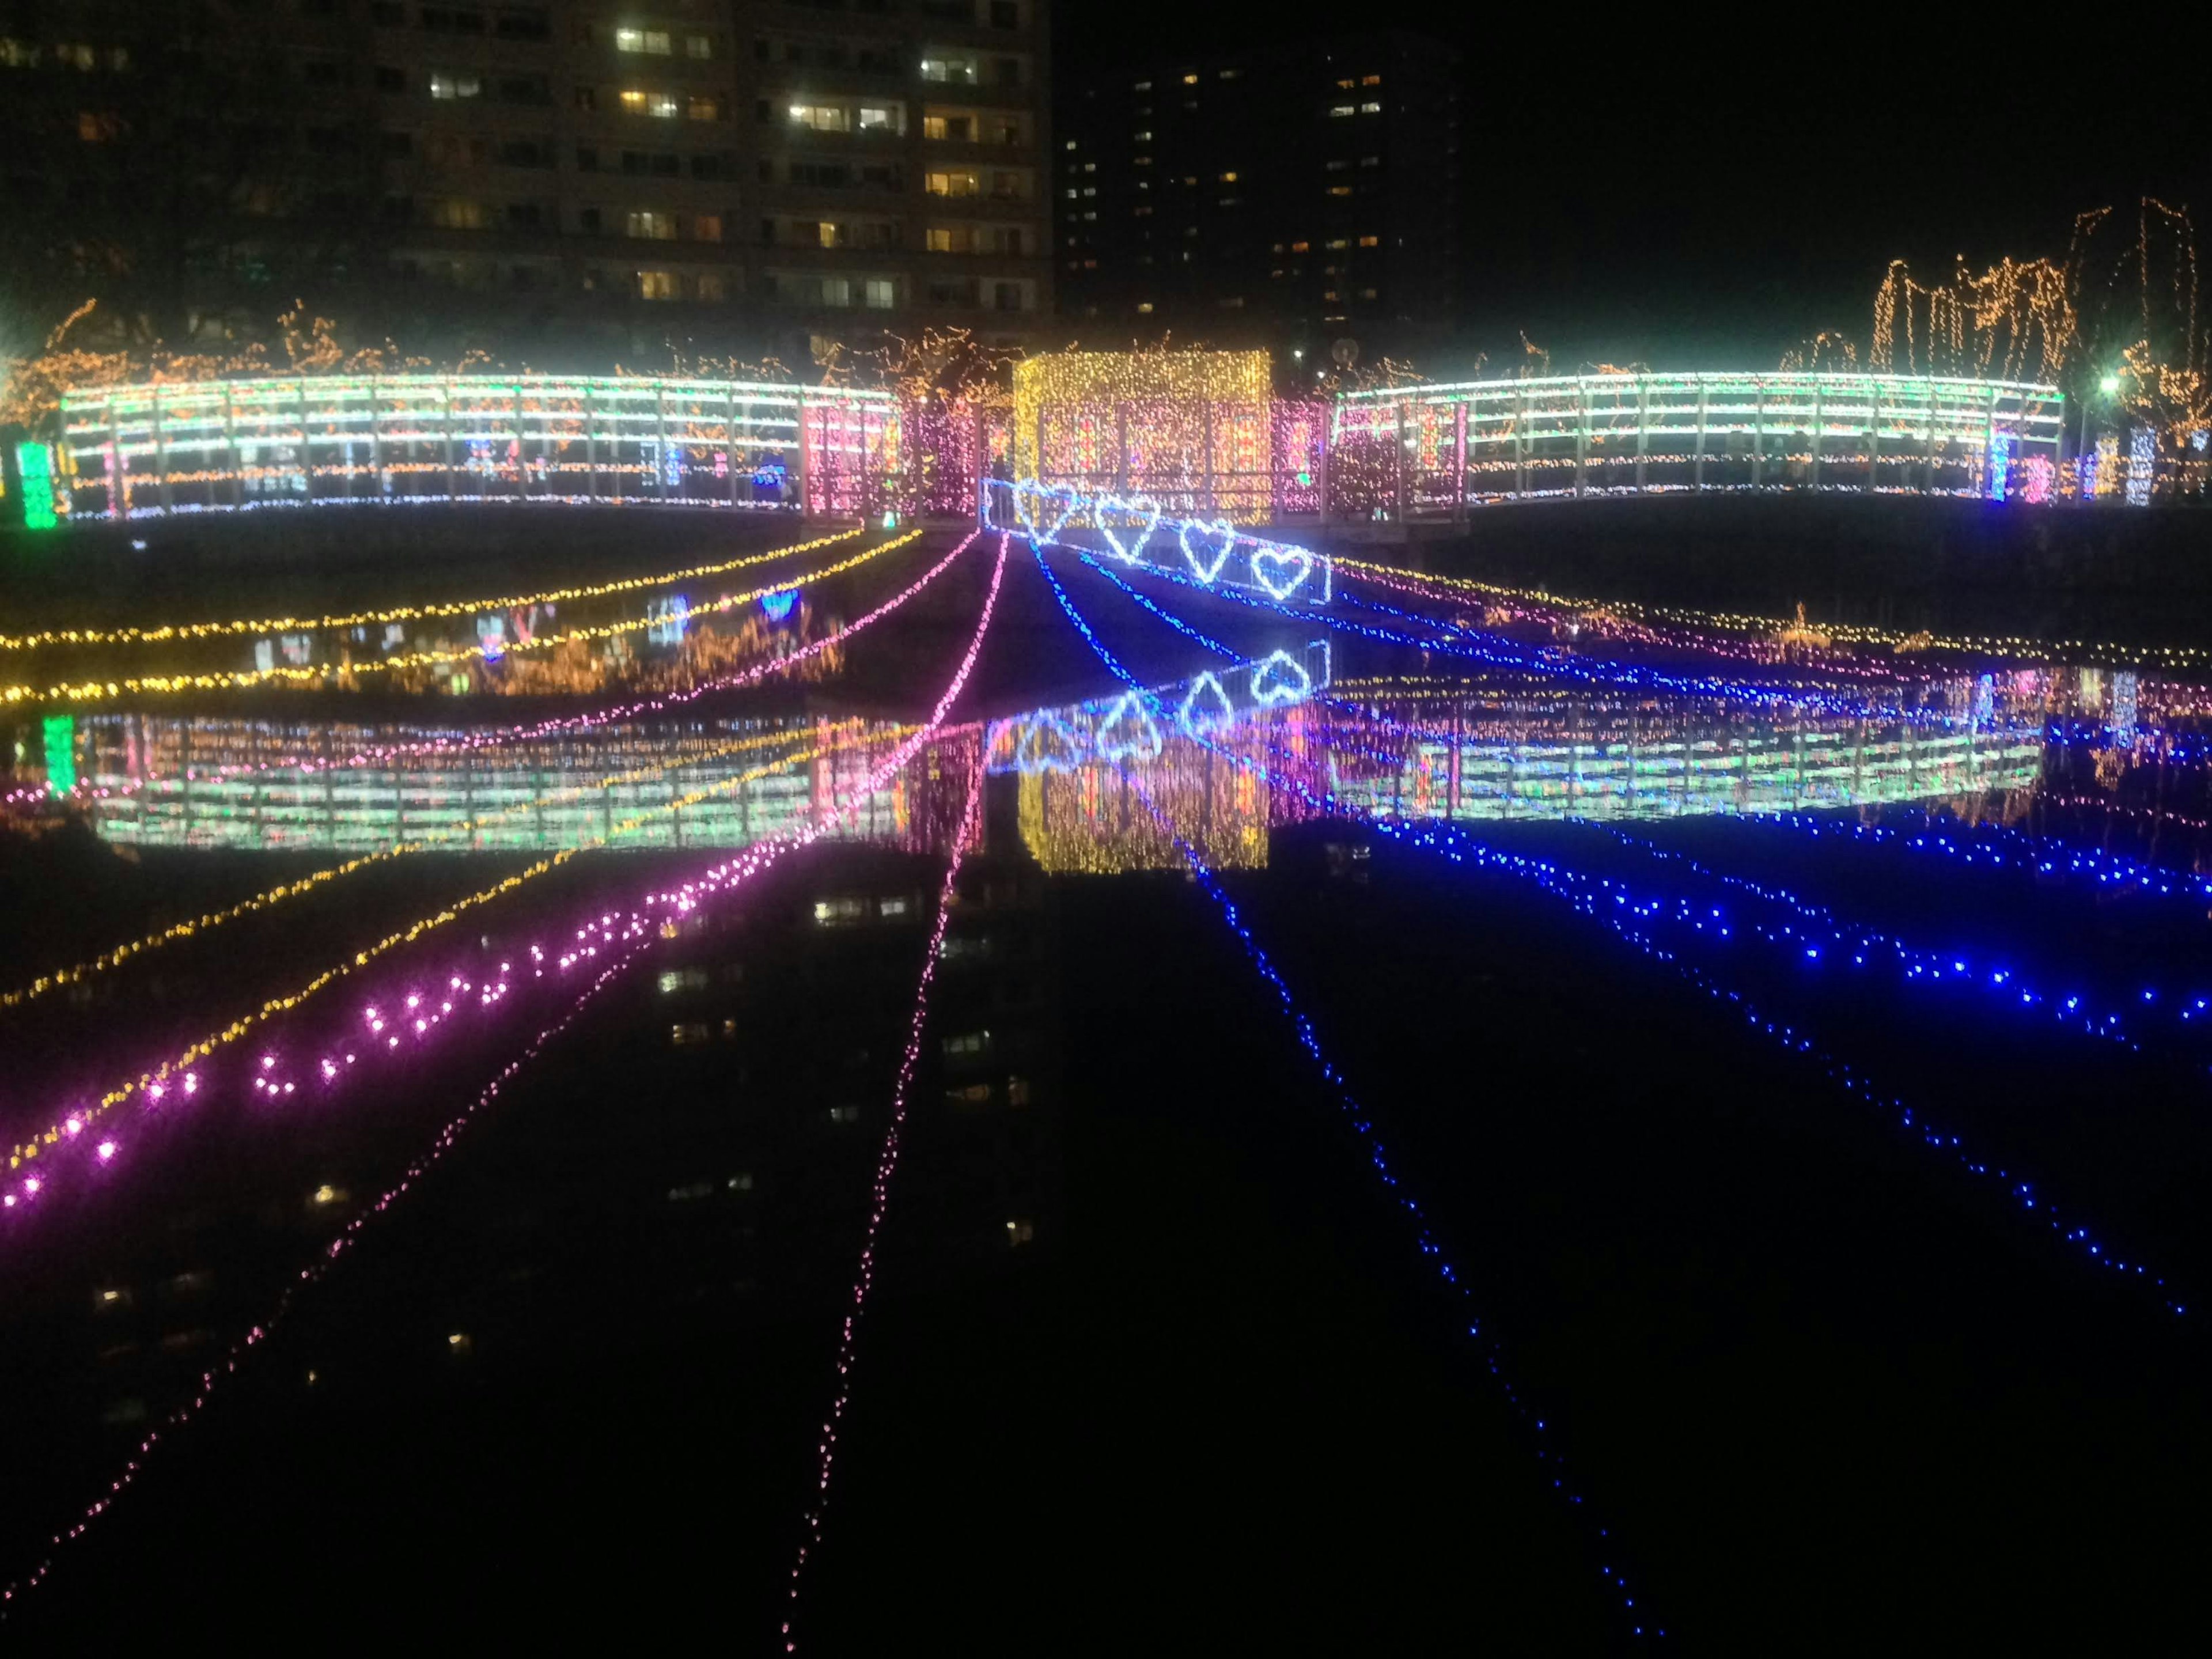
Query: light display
74	1121
1429	1247
1635	916
35	469
281	674
385	438
1138	531
1631	915
441	839
1978	645
162	632
1409	452
500	736
58	745
879	1202
1192	430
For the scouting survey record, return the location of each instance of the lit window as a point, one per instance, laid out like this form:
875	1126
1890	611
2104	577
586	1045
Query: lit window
1370	161
1145	306
699	106
682	978
1299	247
655	41
967	1043
1371	109
1343	109
1228	178
459	216
1020	1231
880	293
659	104
653	226
1371	80
1347	83
680	1035
894	907
835	912
1340	190
952	183
445	84
844	1114
1190	80
1338	242
707	228
1017	1090
972	1094
1140	86
1231	74
822	118
1370	241
1366	293
881	118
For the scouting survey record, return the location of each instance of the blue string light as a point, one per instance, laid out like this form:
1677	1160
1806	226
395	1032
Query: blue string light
1631	915
1356	1114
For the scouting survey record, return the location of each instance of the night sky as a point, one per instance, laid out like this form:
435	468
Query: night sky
1709	188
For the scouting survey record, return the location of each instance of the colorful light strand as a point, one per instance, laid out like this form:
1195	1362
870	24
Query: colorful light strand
246	678
162	632
1356	1114
524	733
878	1204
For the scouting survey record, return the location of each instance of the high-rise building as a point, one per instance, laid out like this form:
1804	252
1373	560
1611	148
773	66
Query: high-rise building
750	175
1293	192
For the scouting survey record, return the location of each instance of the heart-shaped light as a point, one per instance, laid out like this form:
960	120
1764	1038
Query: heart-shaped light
1281	678
1281	570
1044	743
1034	501
1128	732
1207	707
1200	565
1140	507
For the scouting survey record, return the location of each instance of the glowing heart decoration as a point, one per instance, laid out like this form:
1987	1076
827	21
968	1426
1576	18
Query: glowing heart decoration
1199	566
1208	708
1031	500
1138	508
1044	743
1281	570
1128	732
1279	678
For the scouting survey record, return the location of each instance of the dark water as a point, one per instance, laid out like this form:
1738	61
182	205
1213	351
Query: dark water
1153	1357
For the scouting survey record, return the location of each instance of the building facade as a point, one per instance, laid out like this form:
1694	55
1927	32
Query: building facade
1299	194
739	176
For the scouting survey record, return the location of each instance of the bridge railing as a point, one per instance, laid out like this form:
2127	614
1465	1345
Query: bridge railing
1428	451
296	441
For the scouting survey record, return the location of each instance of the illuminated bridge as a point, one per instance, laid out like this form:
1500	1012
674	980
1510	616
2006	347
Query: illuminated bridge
1205	436
1433	451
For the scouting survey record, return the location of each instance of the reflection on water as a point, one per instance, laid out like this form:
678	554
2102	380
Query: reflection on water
1228	755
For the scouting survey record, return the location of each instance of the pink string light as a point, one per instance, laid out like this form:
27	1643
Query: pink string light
498	737
632	934
878	1203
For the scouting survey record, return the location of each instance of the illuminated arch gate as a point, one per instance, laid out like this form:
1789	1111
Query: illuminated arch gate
1421	451
298	440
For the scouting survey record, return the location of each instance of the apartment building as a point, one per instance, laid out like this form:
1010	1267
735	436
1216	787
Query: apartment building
1295	194
745	175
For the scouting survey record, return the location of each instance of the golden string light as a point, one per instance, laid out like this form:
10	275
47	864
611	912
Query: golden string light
401	613
86	1116
80	972
240	679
